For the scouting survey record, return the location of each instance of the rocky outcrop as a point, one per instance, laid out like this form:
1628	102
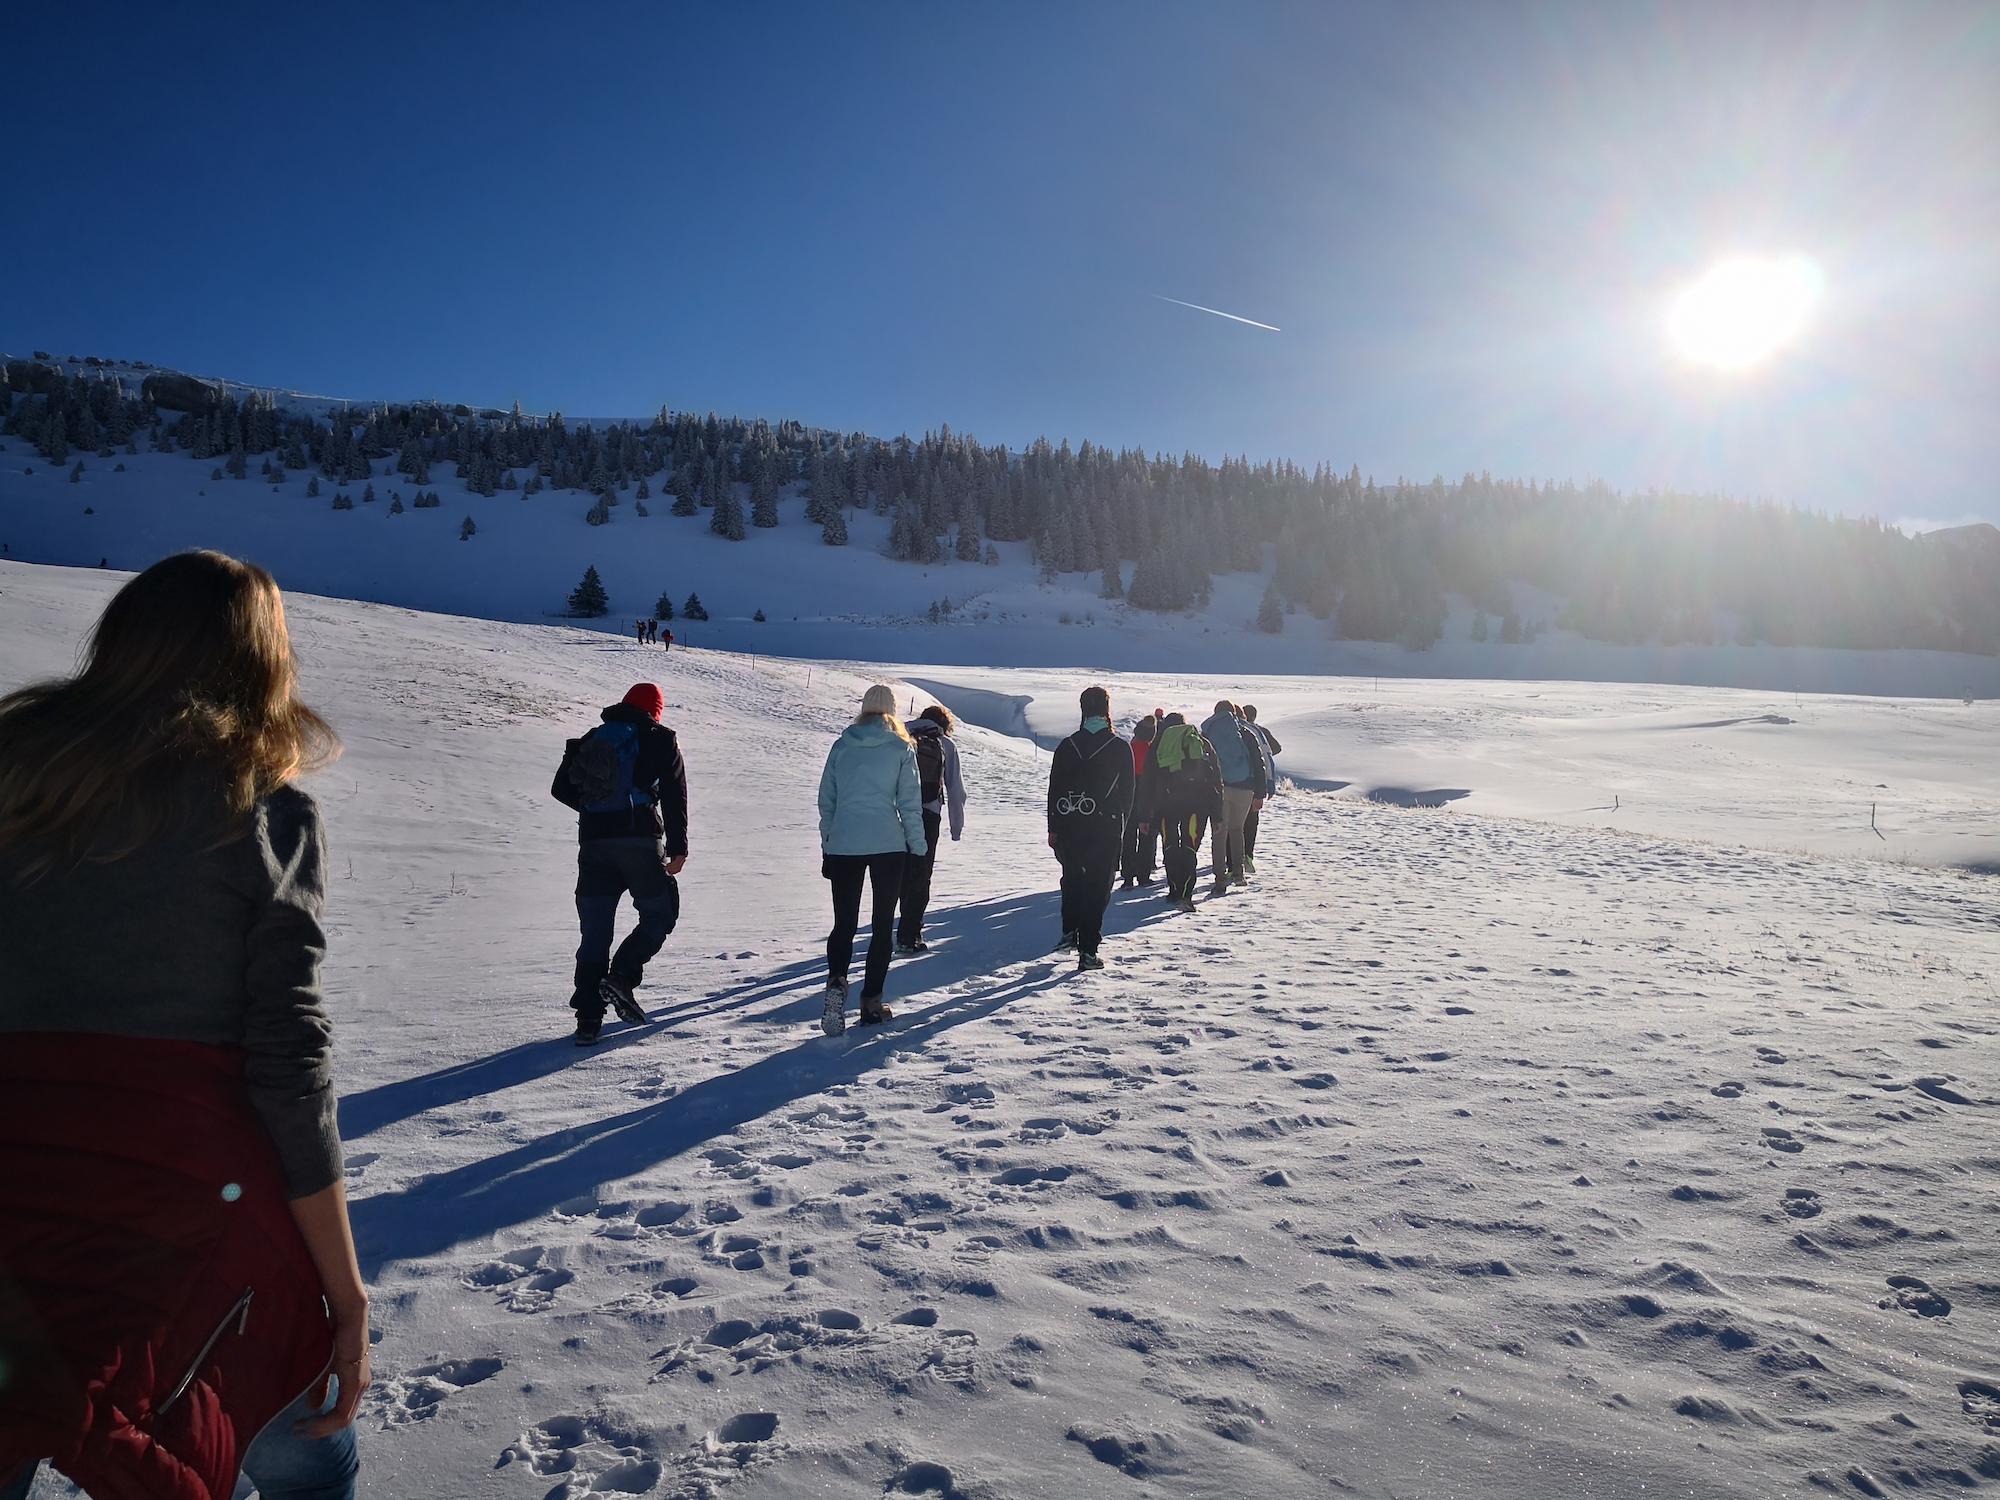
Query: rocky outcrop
173	392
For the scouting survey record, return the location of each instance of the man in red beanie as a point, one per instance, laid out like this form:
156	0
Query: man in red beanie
627	784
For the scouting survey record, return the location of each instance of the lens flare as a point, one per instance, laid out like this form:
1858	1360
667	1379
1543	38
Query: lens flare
1741	312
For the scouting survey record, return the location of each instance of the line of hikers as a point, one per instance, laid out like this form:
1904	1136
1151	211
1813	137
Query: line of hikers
166	1055
884	794
650	634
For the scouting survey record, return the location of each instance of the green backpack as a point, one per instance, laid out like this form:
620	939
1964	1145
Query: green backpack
1178	745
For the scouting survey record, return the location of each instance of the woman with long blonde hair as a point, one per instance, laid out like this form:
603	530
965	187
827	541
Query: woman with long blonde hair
871	819
179	1293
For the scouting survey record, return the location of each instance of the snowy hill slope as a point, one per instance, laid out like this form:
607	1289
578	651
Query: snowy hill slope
1456	1157
528	551
1873	778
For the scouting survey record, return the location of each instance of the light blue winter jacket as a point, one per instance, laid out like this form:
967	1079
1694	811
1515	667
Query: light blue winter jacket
1225	732
870	800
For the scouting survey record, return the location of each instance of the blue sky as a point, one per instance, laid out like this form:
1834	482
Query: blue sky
1466	221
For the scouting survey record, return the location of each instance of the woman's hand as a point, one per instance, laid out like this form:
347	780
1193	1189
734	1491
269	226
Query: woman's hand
322	1220
350	1369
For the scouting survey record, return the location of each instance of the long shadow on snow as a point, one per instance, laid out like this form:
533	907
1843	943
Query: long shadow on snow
483	1197
977	938
371	1109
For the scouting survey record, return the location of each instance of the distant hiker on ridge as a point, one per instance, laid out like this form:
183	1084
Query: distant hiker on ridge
1090	799
627	784
939	783
871	820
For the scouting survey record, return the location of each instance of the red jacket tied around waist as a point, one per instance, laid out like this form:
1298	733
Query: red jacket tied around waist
157	1304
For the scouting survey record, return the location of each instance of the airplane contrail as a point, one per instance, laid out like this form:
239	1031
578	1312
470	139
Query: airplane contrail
1274	328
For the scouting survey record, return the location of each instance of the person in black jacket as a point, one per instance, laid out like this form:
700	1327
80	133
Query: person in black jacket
1090	800
628	786
1272	750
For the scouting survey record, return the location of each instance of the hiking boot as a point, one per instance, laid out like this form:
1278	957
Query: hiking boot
588	1025
1130	882
1249	865
616	991
905	950
1220	888
1085	962
1067	942
1149	880
873	1011
1186	904
833	1015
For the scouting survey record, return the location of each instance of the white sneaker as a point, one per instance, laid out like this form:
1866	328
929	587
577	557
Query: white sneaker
833	1018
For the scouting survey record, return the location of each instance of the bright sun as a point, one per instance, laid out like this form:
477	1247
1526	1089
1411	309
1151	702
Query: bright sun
1741	312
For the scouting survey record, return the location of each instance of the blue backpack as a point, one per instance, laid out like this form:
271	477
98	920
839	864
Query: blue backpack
603	767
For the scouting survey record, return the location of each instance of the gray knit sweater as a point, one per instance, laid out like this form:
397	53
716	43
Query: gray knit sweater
219	946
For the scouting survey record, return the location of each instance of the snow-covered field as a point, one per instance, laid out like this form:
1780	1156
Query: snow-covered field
1912	780
1461	1155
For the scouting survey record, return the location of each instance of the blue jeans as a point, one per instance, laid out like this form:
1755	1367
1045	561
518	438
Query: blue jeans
283	1465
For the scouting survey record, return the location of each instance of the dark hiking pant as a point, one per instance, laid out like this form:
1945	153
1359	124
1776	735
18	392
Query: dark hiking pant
1089	866
1180	841
916	898
884	874
1250	833
605	870
1141	849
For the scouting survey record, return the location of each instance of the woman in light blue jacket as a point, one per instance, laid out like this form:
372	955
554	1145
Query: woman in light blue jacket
871	817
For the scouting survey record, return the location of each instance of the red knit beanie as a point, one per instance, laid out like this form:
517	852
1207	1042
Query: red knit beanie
647	698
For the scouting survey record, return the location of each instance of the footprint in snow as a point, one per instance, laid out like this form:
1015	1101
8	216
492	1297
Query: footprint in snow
1782	1140
1981	1403
413	1397
1915	1295
1801	1203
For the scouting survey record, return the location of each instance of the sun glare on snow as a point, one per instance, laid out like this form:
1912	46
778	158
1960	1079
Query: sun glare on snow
1741	312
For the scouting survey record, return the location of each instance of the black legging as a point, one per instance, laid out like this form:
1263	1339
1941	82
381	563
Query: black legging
917	870
884	873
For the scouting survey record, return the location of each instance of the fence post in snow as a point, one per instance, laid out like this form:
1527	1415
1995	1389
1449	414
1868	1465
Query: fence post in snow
1871	817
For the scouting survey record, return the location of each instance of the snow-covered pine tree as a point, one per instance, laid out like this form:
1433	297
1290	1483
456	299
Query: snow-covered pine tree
992	556
694	609
833	529
312	488
598	514
588	600
968	549
1271	613
663	609
726	520
395	505
466	529
1113	586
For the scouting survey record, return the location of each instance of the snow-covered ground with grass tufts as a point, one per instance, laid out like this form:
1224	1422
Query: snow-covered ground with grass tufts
1462	1155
